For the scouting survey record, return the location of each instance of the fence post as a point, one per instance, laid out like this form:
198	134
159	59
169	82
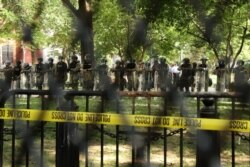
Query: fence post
1	139
67	152
208	144
4	93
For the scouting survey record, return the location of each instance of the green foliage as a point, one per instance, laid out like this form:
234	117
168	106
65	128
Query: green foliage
140	28
111	29
164	40
7	22
57	27
218	25
49	21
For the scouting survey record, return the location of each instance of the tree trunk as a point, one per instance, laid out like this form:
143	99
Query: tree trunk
86	30
84	27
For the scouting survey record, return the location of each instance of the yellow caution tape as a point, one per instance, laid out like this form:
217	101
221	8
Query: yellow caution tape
121	119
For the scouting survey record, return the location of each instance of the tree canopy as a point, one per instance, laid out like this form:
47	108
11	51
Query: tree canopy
132	29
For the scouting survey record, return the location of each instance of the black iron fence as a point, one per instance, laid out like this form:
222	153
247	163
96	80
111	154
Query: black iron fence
39	143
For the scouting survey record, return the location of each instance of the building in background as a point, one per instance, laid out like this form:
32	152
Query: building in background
13	51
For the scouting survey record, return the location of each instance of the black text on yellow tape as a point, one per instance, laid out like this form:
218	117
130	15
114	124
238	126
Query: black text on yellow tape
129	120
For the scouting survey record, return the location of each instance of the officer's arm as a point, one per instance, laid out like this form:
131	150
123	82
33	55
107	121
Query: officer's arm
77	68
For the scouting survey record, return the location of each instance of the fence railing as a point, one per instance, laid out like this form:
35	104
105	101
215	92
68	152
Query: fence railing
29	143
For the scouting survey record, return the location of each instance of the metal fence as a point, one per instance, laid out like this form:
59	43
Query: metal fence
26	143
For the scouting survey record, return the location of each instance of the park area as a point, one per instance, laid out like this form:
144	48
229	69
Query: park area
102	143
141	83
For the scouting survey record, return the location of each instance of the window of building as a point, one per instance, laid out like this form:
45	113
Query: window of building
7	53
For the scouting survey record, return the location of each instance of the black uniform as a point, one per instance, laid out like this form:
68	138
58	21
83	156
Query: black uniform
241	75
88	76
163	78
8	75
74	70
120	82
130	70
39	70
186	76
17	74
50	68
61	73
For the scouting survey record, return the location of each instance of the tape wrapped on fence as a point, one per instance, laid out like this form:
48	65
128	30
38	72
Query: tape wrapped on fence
125	119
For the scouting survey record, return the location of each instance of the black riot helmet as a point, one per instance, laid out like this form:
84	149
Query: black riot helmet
18	62
240	62
39	59
221	63
204	60
74	57
104	61
186	60
162	60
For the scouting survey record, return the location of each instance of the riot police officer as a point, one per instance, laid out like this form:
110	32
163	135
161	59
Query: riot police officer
147	77
119	69
186	75
163	74
61	72
240	74
17	74
203	77
26	70
203	63
131	75
74	71
8	74
39	71
104	79
51	72
87	73
220	72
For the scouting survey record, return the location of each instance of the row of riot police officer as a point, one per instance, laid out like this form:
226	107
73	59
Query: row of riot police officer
56	74
12	75
144	76
158	75
193	76
197	76
34	75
